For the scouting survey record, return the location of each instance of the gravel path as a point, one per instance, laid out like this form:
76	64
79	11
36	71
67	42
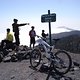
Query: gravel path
22	71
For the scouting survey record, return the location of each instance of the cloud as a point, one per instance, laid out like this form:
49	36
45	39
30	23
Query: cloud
66	28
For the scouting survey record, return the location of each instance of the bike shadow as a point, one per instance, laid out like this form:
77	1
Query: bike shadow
33	68
51	75
55	76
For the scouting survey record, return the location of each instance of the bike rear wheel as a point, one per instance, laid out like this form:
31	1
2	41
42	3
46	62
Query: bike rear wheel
1	57
35	58
62	62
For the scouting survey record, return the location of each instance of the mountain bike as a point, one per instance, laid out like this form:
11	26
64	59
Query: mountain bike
59	61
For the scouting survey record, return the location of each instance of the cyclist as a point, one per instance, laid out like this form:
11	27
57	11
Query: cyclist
44	35
15	27
32	35
8	40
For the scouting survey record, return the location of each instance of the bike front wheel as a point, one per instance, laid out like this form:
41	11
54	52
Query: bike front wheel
35	58
62	62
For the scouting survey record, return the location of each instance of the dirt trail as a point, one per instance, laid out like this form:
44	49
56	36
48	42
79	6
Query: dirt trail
22	71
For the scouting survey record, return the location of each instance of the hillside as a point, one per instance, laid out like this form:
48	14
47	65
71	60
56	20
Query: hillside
69	41
65	34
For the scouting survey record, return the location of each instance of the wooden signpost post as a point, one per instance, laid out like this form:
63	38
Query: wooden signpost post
49	18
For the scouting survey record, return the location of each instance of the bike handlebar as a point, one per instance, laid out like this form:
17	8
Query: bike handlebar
42	38
39	37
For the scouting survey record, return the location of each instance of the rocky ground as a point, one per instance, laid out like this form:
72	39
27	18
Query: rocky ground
23	71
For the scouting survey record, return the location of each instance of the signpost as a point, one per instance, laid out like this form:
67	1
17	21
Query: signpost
49	18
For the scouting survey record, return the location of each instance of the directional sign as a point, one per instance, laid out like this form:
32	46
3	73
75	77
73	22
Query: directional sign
47	18
50	17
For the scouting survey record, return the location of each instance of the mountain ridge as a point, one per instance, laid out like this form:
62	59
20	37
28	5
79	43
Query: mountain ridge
65	34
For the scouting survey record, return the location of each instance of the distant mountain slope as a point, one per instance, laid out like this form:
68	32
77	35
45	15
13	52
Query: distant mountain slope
69	41
65	34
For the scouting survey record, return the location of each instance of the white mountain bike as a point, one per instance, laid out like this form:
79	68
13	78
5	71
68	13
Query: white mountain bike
60	61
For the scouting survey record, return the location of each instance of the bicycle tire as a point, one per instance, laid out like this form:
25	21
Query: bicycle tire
67	69
1	57
35	55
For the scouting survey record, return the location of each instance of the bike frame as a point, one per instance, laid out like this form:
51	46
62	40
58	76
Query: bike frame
45	45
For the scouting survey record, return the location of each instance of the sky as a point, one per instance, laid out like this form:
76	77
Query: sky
30	11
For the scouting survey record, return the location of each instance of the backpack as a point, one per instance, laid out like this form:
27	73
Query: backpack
32	35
